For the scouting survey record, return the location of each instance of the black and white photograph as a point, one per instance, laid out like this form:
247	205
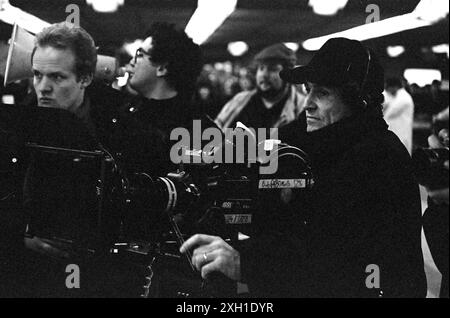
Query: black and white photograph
224	154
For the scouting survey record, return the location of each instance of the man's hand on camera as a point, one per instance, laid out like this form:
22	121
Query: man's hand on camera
213	254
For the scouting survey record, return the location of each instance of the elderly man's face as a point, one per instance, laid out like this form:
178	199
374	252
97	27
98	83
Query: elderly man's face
55	81
268	79
323	106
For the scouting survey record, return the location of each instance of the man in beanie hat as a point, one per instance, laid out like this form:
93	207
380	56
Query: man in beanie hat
274	103
357	232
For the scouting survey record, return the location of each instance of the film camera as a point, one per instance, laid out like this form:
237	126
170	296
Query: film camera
84	202
220	199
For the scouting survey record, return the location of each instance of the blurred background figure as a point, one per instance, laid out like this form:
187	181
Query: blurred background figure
274	103
398	110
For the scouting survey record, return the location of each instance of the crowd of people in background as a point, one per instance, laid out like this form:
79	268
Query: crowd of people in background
221	81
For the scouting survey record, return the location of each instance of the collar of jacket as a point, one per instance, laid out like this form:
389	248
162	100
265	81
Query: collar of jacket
327	143
292	107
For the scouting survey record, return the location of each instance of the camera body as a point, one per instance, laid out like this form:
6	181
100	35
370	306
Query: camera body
118	208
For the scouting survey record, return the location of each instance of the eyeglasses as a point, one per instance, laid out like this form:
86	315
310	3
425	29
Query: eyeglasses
140	52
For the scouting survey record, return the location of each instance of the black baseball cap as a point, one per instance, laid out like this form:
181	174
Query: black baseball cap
337	62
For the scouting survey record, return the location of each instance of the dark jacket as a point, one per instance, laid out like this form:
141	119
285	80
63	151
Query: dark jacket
137	133
435	227
364	209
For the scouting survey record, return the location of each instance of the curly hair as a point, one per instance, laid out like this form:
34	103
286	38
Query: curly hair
67	36
182	55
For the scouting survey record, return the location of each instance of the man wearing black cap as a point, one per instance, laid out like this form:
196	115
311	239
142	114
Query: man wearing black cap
274	103
359	232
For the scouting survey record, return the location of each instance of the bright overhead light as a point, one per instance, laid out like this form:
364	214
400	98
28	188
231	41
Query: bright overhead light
420	17
369	31
326	7
395	50
422	76
10	15
292	45
2	3
441	48
209	15
237	48
105	6
431	10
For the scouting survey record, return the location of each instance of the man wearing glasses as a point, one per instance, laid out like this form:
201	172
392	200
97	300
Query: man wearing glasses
163	72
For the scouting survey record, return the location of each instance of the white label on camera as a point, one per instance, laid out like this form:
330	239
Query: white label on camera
282	183
238	218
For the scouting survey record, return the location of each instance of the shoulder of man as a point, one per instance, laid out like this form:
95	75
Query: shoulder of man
298	99
233	108
105	97
382	151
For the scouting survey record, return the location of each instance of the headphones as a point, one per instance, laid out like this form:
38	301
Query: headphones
362	87
366	75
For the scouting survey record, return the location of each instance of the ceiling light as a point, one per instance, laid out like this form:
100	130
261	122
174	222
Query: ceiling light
395	50
10	15
237	48
326	7
426	13
431	10
105	6
422	76
369	31
440	49
3	3
209	15
292	45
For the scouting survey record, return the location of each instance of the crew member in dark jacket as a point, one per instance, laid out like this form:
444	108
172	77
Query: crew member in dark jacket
164	72
357	233
74	115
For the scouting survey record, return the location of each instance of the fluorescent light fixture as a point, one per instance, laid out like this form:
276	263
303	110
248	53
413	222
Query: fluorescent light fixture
131	48
441	48
420	17
431	10
422	76
105	6
10	14
8	99
369	31
395	50
209	15
237	48
326	7
292	45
